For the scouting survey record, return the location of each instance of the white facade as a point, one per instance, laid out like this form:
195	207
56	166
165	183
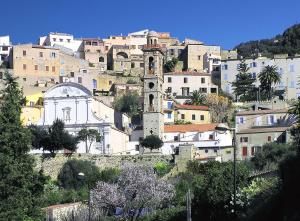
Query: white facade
288	68
5	47
74	104
137	40
61	39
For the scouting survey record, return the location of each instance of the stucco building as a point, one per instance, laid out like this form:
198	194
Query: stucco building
5	47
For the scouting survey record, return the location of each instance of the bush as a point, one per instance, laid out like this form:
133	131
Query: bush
162	169
170	214
109	175
69	178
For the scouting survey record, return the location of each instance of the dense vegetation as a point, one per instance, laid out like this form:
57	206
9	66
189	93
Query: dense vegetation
286	43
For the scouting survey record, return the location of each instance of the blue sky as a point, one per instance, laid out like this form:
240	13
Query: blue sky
217	22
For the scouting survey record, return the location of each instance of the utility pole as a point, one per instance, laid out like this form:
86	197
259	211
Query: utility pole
188	206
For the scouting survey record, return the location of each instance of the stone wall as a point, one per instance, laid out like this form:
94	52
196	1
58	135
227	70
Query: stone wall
52	166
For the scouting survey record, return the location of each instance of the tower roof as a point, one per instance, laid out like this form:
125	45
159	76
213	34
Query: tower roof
153	34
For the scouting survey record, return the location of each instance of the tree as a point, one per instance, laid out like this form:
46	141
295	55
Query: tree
89	136
243	86
137	188
68	177
20	185
128	103
219	107
170	65
54	138
268	77
152	142
197	98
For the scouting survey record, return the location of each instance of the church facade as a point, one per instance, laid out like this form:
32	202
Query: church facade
75	106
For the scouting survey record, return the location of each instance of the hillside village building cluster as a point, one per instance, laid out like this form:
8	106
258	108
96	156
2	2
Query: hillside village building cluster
77	81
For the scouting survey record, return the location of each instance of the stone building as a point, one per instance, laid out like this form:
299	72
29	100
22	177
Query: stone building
153	117
288	68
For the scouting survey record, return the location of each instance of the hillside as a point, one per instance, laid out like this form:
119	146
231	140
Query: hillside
286	43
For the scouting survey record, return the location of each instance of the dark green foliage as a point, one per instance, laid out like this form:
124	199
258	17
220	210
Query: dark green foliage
178	122
287	43
131	81
69	177
152	142
197	98
170	214
20	185
170	65
128	103
212	187
243	86
267	77
54	138
271	155
109	175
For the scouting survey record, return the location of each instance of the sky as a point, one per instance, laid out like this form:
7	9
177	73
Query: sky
215	22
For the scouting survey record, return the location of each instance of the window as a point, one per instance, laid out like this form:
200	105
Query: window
211	137
94	84
170	105
67	114
182	116
171	51
203	89
176	138
35	67
84	71
41	54
101	59
240	120
110	82
199	57
245	151
169	80
254	64
185	91
24	66
31	103
142	65
24	79
216	150
193	117
226	77
169	90
4	48
53	55
47	68
68	40
271	119
79	80
132	65
72	74
269	138
225	67
53	68
206	150
61	40
106	48
202	80
24	53
54	39
243	139
185	80
169	115
292	68
254	75
201	117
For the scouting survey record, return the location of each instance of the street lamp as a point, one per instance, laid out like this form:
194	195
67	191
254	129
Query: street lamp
224	127
81	176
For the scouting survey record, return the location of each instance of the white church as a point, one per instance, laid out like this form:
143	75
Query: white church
76	107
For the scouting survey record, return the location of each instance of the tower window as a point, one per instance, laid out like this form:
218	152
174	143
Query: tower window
101	59
151	85
151	99
169	80
151	64
185	80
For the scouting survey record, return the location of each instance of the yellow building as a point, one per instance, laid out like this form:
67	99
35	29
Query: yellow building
32	111
192	113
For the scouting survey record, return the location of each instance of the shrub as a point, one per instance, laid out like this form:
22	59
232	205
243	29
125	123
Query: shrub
69	178
170	214
162	168
109	175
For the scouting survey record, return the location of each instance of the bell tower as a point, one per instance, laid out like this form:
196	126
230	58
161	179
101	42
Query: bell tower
153	117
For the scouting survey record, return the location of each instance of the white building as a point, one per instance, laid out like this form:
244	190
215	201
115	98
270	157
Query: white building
74	104
61	40
210	143
182	84
137	40
5	47
288	67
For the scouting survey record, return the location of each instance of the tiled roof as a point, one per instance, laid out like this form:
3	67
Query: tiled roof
255	112
191	73
190	128
191	107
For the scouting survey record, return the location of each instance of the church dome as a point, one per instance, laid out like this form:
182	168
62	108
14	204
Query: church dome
152	34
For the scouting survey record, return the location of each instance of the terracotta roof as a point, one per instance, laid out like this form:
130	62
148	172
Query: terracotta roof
190	128
192	73
191	107
255	112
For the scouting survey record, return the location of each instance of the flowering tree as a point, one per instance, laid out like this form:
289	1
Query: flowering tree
136	189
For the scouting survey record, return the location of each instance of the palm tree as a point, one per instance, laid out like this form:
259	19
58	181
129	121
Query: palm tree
267	77
197	98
